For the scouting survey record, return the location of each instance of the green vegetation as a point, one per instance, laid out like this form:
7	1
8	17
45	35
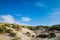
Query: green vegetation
16	38
3	27
12	34
28	34
58	38
16	27
9	31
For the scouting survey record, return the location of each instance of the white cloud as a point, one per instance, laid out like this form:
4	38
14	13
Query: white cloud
26	19
41	5
10	19
7	18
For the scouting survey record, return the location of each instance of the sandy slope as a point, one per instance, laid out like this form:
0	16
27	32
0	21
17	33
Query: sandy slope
5	37
22	35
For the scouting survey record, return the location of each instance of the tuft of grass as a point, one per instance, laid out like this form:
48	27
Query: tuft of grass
12	34
9	31
28	34
3	29
58	38
16	38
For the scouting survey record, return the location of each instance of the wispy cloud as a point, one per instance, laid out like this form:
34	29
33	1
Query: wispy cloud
56	13
41	5
25	19
55	16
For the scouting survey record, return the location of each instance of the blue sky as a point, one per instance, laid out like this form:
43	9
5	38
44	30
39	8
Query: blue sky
30	12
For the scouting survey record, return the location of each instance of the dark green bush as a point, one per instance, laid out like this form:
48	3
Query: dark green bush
9	31
2	30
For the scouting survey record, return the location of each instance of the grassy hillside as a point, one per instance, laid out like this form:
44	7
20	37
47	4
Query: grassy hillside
3	27
16	31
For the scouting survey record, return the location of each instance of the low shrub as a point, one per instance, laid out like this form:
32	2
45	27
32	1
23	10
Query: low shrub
28	34
43	36
3	29
12	34
16	38
9	31
52	35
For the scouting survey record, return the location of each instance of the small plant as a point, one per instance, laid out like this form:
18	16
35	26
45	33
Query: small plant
3	29
16	27
42	36
12	34
9	31
16	38
28	34
58	38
